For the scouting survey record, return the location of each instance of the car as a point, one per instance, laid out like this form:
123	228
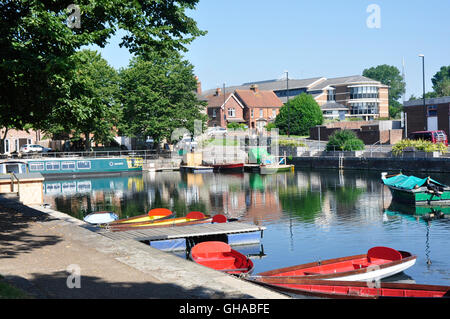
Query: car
27	148
217	130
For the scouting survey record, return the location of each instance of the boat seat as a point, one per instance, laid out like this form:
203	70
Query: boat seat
385	253
360	265
195	215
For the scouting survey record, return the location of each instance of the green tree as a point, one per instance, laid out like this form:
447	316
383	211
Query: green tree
389	75
37	44
441	81
92	109
158	96
344	140
298	115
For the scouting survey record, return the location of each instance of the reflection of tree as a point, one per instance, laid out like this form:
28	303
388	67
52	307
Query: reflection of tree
347	196
305	204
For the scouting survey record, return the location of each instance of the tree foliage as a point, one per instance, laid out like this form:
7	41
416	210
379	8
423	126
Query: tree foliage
344	140
389	75
441	81
298	115
37	44
158	96
91	111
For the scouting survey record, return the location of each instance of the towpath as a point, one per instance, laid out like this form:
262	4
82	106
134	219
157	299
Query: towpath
49	255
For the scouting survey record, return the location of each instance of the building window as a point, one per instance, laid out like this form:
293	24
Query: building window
363	92
214	113
261	113
251	113
231	112
331	95
432	110
274	113
6	146
364	108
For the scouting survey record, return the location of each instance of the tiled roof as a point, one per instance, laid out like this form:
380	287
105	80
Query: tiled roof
258	98
217	100
346	80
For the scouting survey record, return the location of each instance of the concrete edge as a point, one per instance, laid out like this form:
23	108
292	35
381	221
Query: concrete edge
161	265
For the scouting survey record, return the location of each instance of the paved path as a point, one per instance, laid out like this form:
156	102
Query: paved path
41	251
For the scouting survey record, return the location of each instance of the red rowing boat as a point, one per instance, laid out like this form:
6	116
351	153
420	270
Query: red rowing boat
229	167
220	256
350	289
378	263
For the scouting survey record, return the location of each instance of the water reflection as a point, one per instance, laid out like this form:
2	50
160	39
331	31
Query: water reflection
309	215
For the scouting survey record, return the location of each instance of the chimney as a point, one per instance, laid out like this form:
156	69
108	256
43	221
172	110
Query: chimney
218	90
199	86
254	88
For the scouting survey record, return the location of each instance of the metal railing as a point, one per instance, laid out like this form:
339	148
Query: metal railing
145	154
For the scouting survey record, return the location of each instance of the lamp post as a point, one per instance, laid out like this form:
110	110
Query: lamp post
287	103
423	85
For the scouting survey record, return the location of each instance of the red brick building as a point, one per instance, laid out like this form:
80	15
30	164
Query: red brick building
252	107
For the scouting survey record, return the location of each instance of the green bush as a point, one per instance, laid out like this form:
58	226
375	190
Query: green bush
344	140
418	145
299	115
293	143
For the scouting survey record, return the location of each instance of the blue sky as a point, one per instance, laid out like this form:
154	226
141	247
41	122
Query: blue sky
254	40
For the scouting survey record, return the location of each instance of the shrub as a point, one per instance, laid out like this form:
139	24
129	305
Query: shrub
418	145
344	140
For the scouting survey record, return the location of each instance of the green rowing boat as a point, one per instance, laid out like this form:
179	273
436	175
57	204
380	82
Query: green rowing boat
416	190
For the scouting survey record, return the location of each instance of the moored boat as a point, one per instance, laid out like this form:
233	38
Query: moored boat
275	168
378	263
298	286
193	218
155	214
415	190
100	218
220	256
228	167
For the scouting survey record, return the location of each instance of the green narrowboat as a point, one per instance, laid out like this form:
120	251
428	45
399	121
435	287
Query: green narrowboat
416	190
80	166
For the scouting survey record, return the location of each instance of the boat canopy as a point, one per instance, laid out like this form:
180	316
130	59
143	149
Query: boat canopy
409	182
259	155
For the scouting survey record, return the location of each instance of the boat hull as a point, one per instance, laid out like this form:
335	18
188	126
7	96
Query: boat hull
229	168
220	256
351	268
350	290
418	197
272	169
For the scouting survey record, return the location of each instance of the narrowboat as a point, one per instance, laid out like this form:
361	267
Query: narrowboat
415	190
378	263
79	166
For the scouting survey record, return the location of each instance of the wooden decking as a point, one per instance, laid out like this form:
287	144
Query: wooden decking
182	231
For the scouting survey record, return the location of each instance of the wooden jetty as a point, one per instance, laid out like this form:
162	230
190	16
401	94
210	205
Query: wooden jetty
181	237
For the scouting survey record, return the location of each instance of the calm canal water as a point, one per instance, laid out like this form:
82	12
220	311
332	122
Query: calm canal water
309	215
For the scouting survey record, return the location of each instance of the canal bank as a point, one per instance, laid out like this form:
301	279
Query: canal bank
388	164
51	255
